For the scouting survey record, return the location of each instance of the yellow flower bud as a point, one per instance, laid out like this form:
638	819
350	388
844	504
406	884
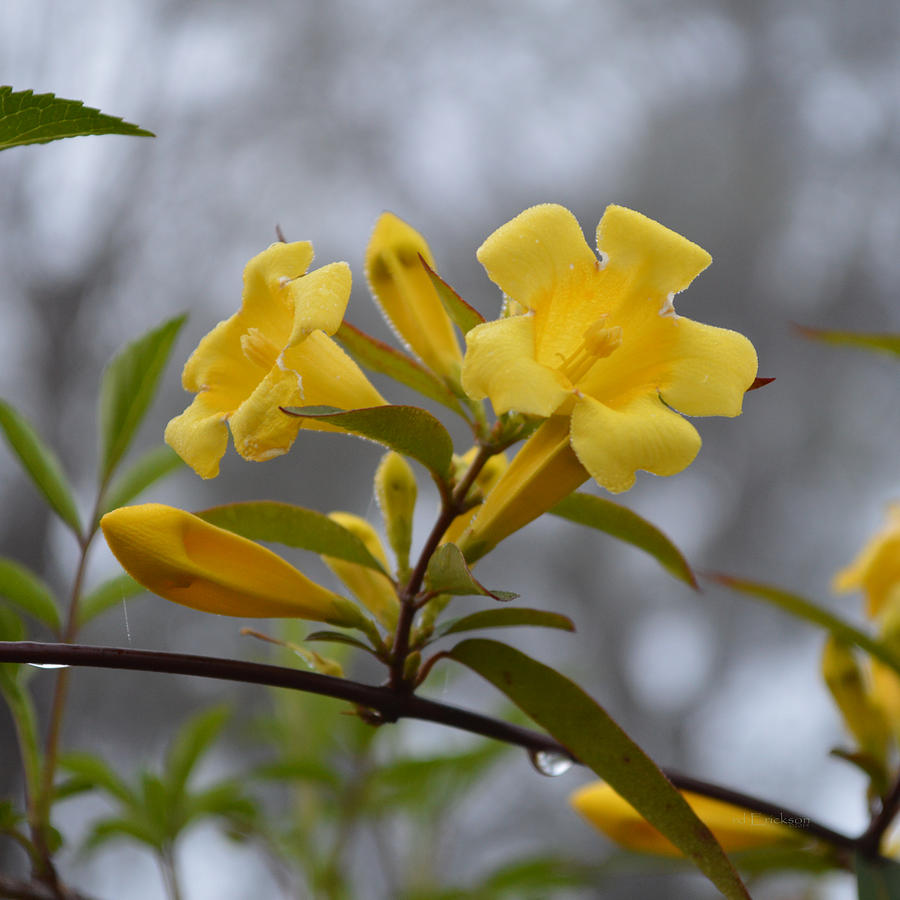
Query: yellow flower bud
395	491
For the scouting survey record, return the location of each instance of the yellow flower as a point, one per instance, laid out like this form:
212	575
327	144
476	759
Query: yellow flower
734	828
600	354
275	351
406	296
374	590
183	559
876	570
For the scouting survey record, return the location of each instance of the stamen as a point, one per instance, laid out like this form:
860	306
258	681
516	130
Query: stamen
598	343
259	349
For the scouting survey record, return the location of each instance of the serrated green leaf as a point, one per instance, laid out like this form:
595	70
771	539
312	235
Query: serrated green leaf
100	774
801	608
293	526
507	617
148	469
464	316
191	742
41	463
127	389
877	879
24	589
448	573
29	118
110	593
628	526
409	430
883	343
579	723
376	356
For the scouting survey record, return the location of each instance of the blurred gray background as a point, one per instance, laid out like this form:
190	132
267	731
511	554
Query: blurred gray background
768	133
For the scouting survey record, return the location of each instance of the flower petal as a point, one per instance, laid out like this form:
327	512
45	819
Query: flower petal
500	364
734	827
407	298
319	300
613	443
534	252
219	363
266	276
200	436
188	561
543	472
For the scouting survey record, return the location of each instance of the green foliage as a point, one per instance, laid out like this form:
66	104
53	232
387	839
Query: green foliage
586	729
127	389
465	317
151	467
293	526
29	118
882	343
877	879
110	593
506	617
804	609
628	526
409	430
28	592
448	573
379	357
41	463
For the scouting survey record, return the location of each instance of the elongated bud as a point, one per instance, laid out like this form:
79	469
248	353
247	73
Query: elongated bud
395	491
862	716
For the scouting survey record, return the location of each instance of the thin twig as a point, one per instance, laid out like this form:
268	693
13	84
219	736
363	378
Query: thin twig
392	705
13	889
869	842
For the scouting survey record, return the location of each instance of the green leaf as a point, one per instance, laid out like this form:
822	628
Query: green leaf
149	468
225	799
885	343
127	389
586	729
465	317
628	526
21	706
163	817
406	429
338	637
802	608
29	118
305	770
41	464
192	741
110	593
448	573
379	357
506	617
24	589
293	526
877	879
122	827
100	774
524	877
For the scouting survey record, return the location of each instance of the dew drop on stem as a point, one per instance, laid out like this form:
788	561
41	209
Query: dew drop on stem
549	763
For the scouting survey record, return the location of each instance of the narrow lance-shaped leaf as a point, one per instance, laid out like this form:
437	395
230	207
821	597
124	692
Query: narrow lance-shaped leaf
191	742
110	593
448	573
151	467
29	118
628	526
41	464
802	608
338	637
884	343
409	430
506	617
464	316
877	879
28	592
128	386
586	729
377	356
293	526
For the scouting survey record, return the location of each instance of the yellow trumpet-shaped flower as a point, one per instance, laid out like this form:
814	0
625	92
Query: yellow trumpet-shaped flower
275	351
407	297
600	354
876	570
183	559
734	827
374	590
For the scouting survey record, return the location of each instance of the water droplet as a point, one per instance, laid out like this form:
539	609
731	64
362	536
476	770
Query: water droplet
549	763
48	665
